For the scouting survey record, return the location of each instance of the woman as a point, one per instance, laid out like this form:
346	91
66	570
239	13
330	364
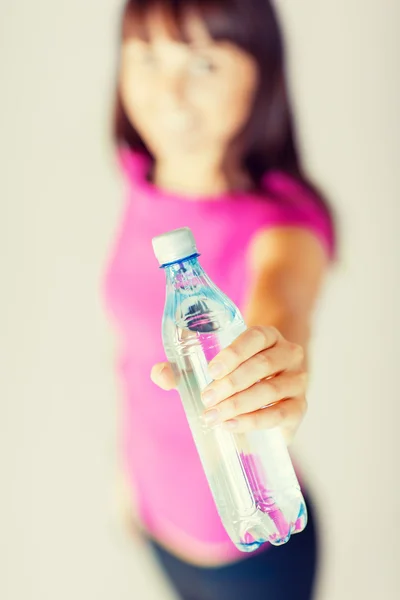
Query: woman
206	140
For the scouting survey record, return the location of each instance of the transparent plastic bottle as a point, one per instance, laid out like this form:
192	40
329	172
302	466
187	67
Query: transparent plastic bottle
251	475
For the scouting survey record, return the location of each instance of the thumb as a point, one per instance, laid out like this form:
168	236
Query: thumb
163	376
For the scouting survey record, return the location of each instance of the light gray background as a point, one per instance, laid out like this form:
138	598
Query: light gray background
60	536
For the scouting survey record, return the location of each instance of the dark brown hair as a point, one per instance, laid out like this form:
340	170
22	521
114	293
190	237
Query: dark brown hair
269	136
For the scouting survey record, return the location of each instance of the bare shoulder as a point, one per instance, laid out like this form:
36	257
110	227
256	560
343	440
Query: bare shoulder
288	265
288	246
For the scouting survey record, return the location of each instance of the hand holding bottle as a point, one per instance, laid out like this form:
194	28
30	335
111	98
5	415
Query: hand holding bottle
259	383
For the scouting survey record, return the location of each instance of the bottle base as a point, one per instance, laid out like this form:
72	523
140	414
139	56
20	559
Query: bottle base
280	530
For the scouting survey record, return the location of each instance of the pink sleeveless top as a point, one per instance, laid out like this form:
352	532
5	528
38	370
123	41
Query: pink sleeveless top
174	501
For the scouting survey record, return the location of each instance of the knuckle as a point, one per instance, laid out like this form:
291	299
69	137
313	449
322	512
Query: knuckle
264	363
260	332
265	359
273	336
274	331
296	352
230	383
299	352
232	355
273	388
282	412
303	379
254	421
234	405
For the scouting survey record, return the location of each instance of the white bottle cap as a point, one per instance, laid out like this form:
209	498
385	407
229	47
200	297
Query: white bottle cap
174	245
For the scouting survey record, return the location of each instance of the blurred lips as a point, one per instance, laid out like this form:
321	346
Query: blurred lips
177	123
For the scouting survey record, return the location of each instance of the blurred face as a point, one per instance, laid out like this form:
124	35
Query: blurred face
186	99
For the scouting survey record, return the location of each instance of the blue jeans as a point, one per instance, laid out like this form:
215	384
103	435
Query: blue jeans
280	573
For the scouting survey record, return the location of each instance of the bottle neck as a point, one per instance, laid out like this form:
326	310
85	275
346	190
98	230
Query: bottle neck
186	275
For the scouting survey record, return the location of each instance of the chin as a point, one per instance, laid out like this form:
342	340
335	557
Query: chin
181	150
180	143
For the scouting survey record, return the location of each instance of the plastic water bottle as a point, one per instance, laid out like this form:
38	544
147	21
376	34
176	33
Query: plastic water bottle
251	475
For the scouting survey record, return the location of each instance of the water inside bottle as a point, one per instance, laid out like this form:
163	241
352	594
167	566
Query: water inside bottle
250	475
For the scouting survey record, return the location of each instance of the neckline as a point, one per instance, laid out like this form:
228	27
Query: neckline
138	166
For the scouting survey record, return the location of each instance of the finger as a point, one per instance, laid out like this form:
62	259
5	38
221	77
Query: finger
252	341
281	357
264	393
286	414
163	376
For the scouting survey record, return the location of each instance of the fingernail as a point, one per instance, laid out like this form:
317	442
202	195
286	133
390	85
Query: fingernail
211	417
215	370
209	397
161	371
232	424
156	371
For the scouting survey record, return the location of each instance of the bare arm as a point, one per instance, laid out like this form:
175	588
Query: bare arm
288	266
